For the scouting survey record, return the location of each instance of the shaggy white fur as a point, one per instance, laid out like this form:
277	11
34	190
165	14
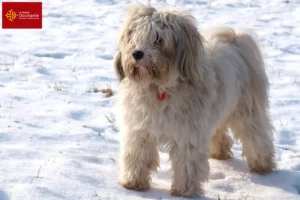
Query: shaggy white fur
207	82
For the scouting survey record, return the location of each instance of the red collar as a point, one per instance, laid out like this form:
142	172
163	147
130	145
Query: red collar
160	95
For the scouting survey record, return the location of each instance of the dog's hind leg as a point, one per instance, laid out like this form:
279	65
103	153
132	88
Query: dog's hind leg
139	157
255	134
251	124
220	144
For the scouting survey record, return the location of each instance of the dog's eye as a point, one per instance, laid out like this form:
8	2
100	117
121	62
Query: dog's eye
159	41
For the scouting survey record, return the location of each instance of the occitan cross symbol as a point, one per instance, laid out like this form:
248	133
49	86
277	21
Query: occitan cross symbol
11	15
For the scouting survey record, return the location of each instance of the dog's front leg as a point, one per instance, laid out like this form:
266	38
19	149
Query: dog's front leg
139	156
191	168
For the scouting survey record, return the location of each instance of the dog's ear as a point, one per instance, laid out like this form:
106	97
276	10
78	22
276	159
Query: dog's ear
118	66
189	47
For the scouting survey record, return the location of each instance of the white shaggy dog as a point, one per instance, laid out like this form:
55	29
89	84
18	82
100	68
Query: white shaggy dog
183	89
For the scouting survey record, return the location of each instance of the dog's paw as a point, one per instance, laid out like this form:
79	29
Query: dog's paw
135	185
261	170
174	192
262	166
222	156
187	194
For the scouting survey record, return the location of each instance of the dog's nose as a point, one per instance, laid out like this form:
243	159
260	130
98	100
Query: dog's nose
138	55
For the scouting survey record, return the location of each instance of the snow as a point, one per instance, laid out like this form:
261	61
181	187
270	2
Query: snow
57	136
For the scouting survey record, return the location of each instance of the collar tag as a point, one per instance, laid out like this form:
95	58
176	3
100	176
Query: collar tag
161	96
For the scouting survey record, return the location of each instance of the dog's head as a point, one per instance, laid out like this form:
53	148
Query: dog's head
159	47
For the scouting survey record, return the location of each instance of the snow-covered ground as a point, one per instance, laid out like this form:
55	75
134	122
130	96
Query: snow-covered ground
57	136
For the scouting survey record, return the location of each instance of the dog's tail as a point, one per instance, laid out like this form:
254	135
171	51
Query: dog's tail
246	40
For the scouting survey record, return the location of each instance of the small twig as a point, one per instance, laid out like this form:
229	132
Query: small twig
37	176
108	119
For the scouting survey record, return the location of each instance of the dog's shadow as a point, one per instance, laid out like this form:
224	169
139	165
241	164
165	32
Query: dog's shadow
160	193
283	179
286	180
3	195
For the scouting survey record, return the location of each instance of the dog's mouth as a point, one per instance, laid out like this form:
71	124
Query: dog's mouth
141	70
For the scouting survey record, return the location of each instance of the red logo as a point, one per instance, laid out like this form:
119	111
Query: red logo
21	15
